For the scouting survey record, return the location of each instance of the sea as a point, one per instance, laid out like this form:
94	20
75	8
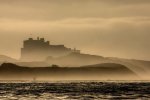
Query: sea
75	90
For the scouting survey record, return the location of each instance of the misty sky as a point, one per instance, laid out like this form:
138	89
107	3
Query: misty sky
117	28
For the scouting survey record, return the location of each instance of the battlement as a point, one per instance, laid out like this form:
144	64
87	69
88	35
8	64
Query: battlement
39	42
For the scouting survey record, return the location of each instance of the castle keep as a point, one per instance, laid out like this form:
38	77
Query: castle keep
39	50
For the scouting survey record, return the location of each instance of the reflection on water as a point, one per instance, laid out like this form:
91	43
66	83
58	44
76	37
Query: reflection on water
75	90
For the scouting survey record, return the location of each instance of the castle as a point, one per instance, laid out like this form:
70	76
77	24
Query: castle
39	50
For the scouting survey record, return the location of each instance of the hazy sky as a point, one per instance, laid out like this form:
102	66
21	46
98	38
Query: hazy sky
118	28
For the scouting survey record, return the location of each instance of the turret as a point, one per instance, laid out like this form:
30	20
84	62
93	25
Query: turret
37	38
42	39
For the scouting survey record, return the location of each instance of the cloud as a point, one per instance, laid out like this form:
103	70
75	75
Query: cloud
104	27
122	37
62	9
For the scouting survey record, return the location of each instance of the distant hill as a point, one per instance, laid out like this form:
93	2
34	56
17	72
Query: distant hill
75	59
4	58
140	67
33	64
106	71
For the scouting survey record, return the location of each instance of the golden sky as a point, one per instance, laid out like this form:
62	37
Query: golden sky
117	28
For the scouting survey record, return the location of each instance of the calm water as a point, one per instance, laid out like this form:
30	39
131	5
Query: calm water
75	91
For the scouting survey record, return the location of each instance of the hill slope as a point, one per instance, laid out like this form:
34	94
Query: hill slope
107	71
4	58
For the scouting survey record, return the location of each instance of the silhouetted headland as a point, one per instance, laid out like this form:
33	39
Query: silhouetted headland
103	71
75	59
40	53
